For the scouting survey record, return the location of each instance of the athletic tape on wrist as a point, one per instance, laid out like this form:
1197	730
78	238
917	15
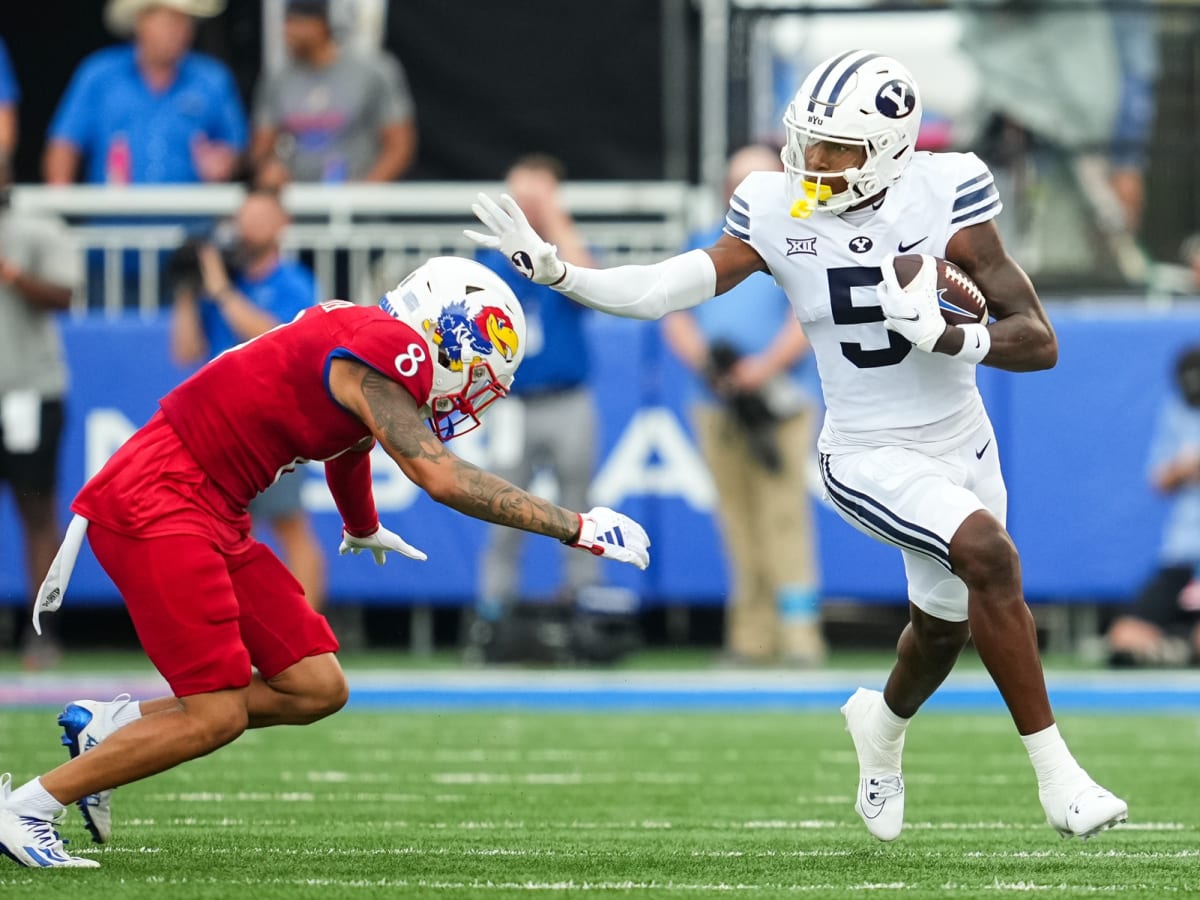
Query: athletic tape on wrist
977	341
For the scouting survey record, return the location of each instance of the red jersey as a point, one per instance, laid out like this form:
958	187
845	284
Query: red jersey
260	408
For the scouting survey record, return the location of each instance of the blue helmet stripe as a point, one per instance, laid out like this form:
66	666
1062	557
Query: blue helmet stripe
841	83
812	101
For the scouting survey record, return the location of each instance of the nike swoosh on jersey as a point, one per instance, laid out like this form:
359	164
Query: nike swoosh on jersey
982	450
904	248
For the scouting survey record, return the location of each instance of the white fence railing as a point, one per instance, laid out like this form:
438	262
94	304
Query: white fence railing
360	239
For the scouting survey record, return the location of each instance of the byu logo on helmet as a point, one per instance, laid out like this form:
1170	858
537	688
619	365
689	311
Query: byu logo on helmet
896	99
523	263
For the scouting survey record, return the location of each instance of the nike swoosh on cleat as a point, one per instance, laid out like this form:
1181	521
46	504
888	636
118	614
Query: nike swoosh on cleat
867	802
904	248
982	450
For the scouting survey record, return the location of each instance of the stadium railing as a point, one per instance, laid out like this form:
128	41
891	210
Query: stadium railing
359	239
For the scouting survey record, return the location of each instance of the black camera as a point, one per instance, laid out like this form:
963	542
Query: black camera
749	409
183	273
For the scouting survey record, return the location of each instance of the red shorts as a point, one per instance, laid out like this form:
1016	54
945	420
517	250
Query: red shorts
204	616
208	601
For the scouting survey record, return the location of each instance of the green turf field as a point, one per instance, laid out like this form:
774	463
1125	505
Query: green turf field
474	804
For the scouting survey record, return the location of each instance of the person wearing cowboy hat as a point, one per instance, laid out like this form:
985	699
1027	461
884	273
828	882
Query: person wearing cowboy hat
151	111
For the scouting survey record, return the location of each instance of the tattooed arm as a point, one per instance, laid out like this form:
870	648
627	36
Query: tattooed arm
391	413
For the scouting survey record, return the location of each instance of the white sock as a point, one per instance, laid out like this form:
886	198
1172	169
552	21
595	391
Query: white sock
130	712
891	726
1052	761
31	799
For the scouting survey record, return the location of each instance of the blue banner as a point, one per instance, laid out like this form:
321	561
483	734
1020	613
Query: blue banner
1073	443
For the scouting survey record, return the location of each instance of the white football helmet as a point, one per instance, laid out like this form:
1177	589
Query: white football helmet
476	333
857	98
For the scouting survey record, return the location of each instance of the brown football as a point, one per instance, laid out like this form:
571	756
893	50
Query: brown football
959	297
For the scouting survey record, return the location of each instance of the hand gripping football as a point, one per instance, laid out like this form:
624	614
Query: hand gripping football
959	298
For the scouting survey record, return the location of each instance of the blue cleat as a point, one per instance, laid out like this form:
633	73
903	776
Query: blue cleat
85	724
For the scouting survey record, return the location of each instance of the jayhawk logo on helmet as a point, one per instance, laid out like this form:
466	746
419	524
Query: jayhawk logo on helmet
466	338
499	328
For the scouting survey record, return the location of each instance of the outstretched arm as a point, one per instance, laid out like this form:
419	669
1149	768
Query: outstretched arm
634	292
391	414
393	417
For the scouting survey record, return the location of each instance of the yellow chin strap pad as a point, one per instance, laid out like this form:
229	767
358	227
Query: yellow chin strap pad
813	194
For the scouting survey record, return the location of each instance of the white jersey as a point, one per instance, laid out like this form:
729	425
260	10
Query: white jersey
879	389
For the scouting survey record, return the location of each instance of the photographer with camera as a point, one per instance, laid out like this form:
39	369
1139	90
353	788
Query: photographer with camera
755	427
226	296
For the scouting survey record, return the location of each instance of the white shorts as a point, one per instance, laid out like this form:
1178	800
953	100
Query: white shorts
917	502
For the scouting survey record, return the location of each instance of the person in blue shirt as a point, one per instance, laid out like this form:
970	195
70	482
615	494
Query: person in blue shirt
150	111
755	422
225	309
550	409
1162	625
9	95
146	112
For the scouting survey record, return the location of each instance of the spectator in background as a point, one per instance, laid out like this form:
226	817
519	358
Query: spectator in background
549	420
38	274
1069	88
9	95
1137	54
220	304
1162	625
150	111
331	115
756	425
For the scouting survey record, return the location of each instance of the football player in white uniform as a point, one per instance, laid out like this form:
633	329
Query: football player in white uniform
908	454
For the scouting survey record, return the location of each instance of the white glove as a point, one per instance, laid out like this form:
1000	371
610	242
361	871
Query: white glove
513	236
912	311
379	544
605	532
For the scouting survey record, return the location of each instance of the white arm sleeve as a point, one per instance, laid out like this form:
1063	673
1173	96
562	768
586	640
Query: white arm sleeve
644	292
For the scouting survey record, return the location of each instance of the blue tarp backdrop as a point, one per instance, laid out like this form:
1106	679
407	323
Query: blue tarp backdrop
1073	443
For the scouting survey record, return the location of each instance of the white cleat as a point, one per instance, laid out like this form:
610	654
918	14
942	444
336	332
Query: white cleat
85	724
880	801
33	842
1083	811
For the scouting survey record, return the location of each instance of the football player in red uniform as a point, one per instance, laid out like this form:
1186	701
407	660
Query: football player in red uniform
218	614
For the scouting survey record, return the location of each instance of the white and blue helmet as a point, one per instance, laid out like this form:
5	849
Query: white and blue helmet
475	329
858	98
